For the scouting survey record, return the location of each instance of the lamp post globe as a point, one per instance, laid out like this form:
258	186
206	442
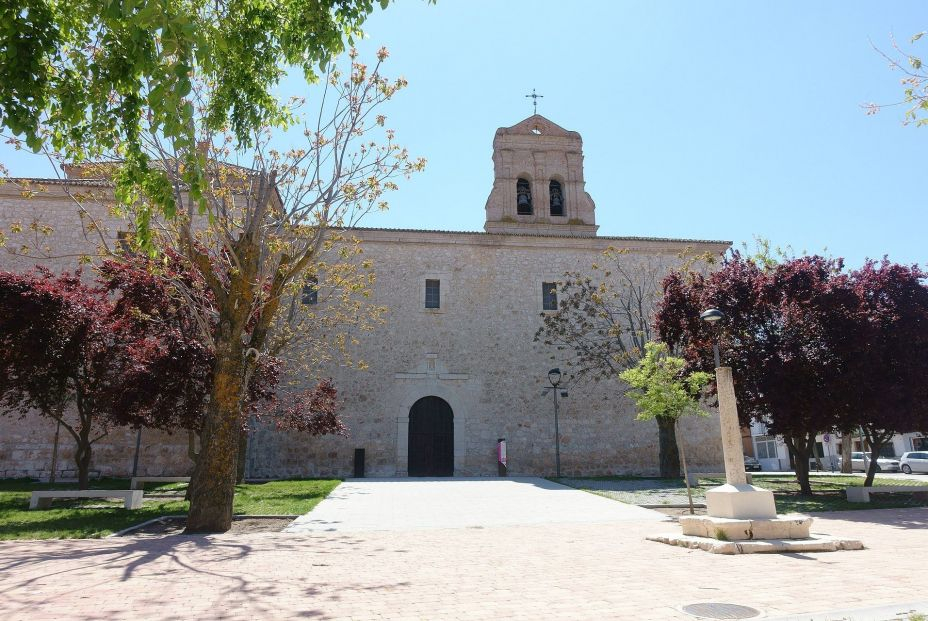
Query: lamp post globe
554	376
713	316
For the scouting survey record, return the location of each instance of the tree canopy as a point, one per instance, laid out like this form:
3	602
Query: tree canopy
810	344
84	77
661	386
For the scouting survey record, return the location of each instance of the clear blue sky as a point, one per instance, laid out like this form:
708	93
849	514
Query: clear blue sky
711	120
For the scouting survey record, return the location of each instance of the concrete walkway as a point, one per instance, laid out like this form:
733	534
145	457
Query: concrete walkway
415	504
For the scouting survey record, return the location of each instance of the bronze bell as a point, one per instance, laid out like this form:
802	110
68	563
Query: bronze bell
523	200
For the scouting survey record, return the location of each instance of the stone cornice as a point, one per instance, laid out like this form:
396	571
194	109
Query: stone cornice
475	238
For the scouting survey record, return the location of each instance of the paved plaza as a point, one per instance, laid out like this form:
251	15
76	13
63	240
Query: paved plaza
412	504
533	559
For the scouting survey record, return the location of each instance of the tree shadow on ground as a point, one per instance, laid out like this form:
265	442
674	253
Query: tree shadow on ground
29	567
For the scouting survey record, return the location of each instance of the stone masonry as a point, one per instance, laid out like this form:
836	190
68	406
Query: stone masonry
476	351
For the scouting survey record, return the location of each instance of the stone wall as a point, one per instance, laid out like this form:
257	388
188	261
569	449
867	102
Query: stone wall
477	353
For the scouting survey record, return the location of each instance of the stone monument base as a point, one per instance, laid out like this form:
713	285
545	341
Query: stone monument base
740	501
789	526
784	533
815	543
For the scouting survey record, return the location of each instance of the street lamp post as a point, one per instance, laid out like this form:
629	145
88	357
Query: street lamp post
554	378
735	499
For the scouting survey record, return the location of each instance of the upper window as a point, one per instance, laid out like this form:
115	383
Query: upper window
557	198
432	293
523	197
549	296
310	291
124	242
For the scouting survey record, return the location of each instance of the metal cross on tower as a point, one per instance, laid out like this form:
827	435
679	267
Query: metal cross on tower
535	98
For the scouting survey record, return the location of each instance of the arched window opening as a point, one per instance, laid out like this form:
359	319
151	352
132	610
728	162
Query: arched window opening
523	197
557	198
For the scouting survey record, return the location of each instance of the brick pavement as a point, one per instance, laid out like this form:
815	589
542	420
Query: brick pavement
544	571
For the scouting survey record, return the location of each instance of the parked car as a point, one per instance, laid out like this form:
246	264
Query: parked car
860	461
751	464
914	462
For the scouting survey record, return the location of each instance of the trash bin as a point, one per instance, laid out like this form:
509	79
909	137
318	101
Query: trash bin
359	463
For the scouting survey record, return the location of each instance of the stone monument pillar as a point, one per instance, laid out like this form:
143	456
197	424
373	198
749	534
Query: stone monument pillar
736	499
741	518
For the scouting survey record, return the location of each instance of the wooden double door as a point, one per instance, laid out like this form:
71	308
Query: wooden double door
431	438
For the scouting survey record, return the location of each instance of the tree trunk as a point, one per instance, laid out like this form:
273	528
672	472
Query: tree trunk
669	453
194	456
800	448
212	487
54	466
846	466
877	441
873	465
686	477
82	460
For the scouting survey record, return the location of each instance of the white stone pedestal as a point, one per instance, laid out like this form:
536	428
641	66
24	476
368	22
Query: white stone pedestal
741	518
740	501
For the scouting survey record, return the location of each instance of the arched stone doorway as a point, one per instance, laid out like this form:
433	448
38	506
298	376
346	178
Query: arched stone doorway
431	438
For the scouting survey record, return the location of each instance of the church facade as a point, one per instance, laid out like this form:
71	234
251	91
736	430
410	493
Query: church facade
455	368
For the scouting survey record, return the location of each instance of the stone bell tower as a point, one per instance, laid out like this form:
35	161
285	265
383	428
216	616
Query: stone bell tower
538	185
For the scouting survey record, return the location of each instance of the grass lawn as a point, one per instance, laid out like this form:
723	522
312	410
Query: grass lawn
95	517
828	491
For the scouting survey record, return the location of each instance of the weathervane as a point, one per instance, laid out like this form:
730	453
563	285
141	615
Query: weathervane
535	98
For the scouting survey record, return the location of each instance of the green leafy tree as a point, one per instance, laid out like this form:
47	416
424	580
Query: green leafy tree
276	228
661	387
663	390
83	77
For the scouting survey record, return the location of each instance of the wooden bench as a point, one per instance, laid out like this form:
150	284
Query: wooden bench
43	499
693	477
139	482
862	494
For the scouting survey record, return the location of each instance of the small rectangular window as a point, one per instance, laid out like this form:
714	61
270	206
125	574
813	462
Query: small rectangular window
124	242
549	296
432	293
310	292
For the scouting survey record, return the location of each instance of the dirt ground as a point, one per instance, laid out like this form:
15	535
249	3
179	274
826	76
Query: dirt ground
240	526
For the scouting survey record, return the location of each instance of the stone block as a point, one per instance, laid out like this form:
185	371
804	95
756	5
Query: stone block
741	501
791	526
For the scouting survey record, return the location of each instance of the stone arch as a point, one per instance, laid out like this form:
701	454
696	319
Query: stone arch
557	197
431	438
524	196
